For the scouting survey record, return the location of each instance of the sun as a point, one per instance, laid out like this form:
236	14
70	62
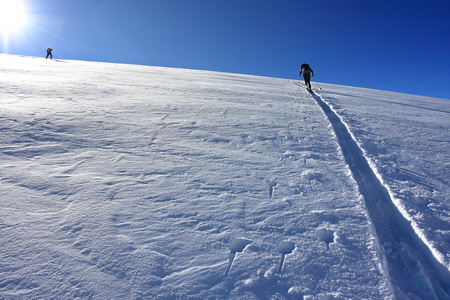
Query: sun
12	16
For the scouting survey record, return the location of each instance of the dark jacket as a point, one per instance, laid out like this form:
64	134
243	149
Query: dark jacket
306	70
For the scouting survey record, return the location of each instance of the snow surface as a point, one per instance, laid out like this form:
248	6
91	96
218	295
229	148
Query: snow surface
137	182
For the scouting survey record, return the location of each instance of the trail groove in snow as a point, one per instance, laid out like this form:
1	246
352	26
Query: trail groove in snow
137	182
414	270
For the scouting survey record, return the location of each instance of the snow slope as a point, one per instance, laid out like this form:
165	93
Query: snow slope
136	182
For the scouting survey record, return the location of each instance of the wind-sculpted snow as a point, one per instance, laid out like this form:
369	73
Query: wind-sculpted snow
407	140
134	182
413	268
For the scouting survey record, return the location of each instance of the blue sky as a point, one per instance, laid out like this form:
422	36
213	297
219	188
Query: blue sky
396	45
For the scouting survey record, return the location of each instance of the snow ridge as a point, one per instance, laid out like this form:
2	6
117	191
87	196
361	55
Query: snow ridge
413	269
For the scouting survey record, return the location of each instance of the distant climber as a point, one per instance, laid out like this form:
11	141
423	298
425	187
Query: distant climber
49	53
306	71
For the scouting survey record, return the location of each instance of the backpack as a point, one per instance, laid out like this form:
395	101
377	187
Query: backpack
305	69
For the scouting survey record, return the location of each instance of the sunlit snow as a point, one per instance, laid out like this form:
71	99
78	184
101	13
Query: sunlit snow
136	182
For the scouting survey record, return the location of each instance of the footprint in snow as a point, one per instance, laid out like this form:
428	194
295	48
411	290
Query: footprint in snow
237	245
272	185
284	248
326	236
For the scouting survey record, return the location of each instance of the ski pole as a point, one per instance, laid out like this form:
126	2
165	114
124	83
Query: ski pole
317	83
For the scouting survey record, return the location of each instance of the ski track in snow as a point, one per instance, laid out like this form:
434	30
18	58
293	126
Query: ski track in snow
134	182
413	268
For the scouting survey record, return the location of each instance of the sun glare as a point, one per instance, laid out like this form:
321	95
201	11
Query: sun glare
12	16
